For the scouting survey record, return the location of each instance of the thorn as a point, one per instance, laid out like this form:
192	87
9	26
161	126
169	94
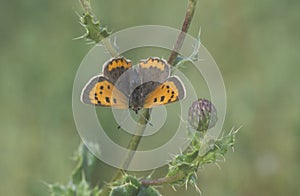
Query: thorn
76	12
186	184
217	147
195	173
238	129
89	43
197	189
107	183
218	166
150	175
199	33
173	187
223	158
80	37
231	130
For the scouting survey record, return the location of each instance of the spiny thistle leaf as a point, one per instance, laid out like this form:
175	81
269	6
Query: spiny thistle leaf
81	189
183	168
85	164
57	189
130	186
132	180
94	30
77	172
126	190
148	191
78	184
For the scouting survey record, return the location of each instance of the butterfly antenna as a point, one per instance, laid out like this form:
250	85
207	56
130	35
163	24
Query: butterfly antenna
125	119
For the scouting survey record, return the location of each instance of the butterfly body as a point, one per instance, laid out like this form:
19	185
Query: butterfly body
123	86
139	94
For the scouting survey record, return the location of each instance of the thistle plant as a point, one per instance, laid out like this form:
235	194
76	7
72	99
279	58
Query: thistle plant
182	170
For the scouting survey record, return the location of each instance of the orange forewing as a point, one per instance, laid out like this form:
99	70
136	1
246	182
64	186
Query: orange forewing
103	93
170	91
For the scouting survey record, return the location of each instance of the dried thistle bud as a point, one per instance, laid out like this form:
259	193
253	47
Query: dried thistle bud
202	115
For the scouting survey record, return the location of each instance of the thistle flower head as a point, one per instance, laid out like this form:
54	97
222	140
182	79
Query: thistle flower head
202	115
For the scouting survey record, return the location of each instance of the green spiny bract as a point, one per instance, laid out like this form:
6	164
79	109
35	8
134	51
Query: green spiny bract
183	168
94	30
130	186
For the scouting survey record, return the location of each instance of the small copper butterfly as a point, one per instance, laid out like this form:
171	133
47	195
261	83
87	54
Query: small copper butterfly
123	86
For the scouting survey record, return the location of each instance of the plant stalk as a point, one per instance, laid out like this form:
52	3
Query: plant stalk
191	6
185	26
134	142
86	5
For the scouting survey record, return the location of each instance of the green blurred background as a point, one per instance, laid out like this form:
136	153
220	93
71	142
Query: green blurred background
255	43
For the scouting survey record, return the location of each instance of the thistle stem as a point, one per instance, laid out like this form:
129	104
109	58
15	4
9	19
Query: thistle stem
134	142
185	26
186	23
112	51
165	180
86	5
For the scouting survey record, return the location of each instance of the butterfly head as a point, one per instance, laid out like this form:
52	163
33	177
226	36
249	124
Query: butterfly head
135	108
135	100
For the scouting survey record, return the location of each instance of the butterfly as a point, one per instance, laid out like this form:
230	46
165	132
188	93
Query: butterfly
123	86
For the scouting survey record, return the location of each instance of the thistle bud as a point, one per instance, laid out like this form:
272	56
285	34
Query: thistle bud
202	115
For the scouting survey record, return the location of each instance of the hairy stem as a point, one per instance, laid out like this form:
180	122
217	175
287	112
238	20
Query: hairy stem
135	141
132	147
186	23
86	5
107	44
165	180
185	26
